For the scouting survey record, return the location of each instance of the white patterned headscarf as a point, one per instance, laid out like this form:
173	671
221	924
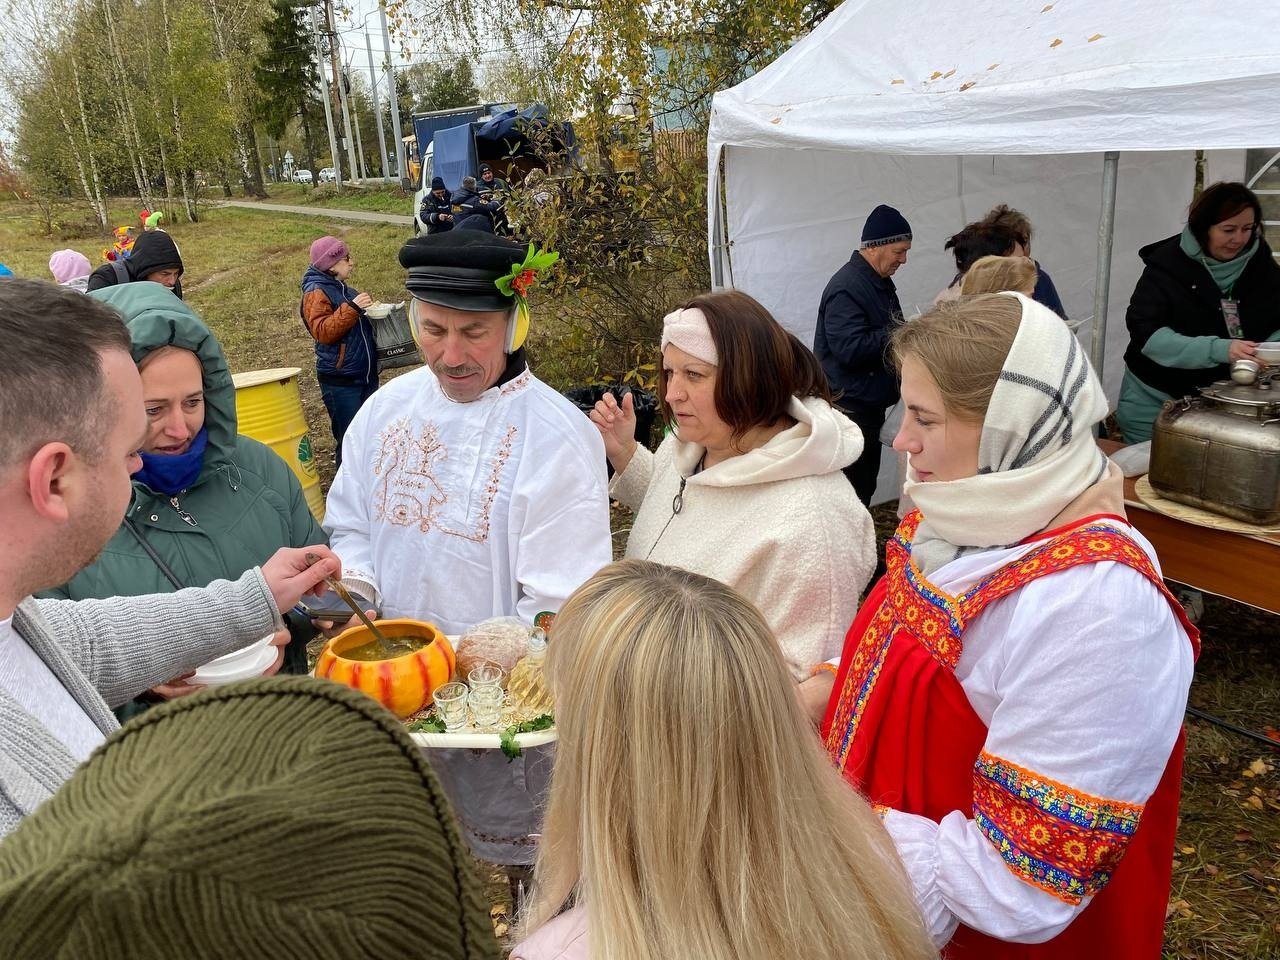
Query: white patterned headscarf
1036	454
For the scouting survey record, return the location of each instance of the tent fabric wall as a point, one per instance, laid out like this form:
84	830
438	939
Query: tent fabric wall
946	111
1018	77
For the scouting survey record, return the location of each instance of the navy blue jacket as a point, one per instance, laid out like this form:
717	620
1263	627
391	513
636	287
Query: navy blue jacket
468	203
1046	293
858	311
431	210
346	347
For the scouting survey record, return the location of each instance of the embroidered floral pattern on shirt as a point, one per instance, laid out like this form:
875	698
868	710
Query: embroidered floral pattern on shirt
516	384
1056	838
408	493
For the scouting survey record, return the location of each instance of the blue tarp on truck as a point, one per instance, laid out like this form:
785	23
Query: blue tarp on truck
511	141
459	149
455	155
425	126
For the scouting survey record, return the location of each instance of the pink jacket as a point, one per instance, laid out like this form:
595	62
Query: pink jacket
564	938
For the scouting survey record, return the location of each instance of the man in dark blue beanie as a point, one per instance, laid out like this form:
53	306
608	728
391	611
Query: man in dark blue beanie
437	210
858	310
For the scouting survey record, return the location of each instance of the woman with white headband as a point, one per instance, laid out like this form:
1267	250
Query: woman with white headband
748	488
1013	689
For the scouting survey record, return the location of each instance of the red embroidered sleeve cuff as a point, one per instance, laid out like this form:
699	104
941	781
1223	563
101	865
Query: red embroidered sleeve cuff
1054	837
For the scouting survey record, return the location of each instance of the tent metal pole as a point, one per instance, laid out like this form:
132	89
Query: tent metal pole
719	242
1102	283
717	252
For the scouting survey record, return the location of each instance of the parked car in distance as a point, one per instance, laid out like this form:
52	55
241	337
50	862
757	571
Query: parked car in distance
302	176
328	175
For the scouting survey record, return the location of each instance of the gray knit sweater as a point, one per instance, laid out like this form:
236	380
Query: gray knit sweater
108	651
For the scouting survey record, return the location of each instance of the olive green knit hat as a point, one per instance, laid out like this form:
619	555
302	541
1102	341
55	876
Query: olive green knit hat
281	818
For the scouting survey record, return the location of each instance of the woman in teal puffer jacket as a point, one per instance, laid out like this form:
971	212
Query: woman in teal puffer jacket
210	502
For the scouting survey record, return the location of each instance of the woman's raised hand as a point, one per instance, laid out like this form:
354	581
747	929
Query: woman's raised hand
363	300
617	425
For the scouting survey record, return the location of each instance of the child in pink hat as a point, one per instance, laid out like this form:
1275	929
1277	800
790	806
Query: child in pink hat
70	269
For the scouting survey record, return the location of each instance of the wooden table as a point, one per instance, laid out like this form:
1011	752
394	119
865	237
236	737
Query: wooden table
1239	566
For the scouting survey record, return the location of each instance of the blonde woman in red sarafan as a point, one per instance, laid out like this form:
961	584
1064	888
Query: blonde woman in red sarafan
1013	688
692	814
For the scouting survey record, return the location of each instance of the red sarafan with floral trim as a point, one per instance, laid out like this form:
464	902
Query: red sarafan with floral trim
900	727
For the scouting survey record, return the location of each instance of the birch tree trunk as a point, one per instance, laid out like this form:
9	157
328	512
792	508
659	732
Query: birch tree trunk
95	198
129	119
98	211
246	150
188	200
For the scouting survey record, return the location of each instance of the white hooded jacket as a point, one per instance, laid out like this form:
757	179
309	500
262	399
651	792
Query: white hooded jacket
780	524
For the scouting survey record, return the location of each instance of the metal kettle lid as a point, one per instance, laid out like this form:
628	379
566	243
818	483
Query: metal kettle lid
1242	394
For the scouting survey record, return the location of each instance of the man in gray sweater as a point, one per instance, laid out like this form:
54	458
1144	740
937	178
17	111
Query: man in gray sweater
72	419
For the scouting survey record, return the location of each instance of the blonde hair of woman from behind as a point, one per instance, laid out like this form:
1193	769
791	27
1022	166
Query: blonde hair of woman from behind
1000	274
692	812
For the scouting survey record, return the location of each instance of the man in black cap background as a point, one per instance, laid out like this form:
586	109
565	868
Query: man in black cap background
437	210
858	311
490	182
494	189
469	489
155	258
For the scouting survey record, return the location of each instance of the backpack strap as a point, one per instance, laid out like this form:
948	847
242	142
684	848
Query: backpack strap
121	271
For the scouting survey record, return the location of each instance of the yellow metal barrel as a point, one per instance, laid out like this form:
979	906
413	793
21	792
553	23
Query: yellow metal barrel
269	409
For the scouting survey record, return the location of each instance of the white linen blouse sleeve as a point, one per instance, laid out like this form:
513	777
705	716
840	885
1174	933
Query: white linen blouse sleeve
1082	677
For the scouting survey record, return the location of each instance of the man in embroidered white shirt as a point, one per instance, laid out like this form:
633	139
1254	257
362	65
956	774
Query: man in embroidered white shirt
469	489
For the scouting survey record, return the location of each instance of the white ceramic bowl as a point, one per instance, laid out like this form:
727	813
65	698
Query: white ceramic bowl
1268	352
240	664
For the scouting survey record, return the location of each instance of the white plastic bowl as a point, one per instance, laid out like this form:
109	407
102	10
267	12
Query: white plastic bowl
240	664
378	311
1268	352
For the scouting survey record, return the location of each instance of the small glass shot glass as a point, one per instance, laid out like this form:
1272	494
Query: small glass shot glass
451	705
486	705
486	674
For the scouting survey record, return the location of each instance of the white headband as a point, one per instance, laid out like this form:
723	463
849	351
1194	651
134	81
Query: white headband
688	330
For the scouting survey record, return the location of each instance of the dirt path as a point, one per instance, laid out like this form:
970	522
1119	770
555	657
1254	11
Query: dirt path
329	212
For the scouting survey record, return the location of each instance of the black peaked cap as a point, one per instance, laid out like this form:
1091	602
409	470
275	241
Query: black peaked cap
458	268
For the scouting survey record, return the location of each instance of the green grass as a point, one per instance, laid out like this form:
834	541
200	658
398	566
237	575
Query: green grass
382	199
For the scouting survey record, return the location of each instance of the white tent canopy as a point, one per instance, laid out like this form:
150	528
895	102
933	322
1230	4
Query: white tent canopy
944	110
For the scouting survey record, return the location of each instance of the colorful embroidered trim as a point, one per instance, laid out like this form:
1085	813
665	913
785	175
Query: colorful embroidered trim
859	681
937	620
1063	841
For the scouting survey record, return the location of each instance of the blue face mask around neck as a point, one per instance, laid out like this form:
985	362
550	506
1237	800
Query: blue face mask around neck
170	474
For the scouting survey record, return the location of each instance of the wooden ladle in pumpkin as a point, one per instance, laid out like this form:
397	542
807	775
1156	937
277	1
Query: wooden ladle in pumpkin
388	650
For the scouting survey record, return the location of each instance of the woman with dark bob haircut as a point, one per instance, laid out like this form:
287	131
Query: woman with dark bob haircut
747	489
1206	297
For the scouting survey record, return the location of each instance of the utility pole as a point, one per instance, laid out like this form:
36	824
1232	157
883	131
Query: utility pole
402	170
377	109
328	110
355	118
340	83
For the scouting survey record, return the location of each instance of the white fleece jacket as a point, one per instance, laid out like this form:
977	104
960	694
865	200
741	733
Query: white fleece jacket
780	524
